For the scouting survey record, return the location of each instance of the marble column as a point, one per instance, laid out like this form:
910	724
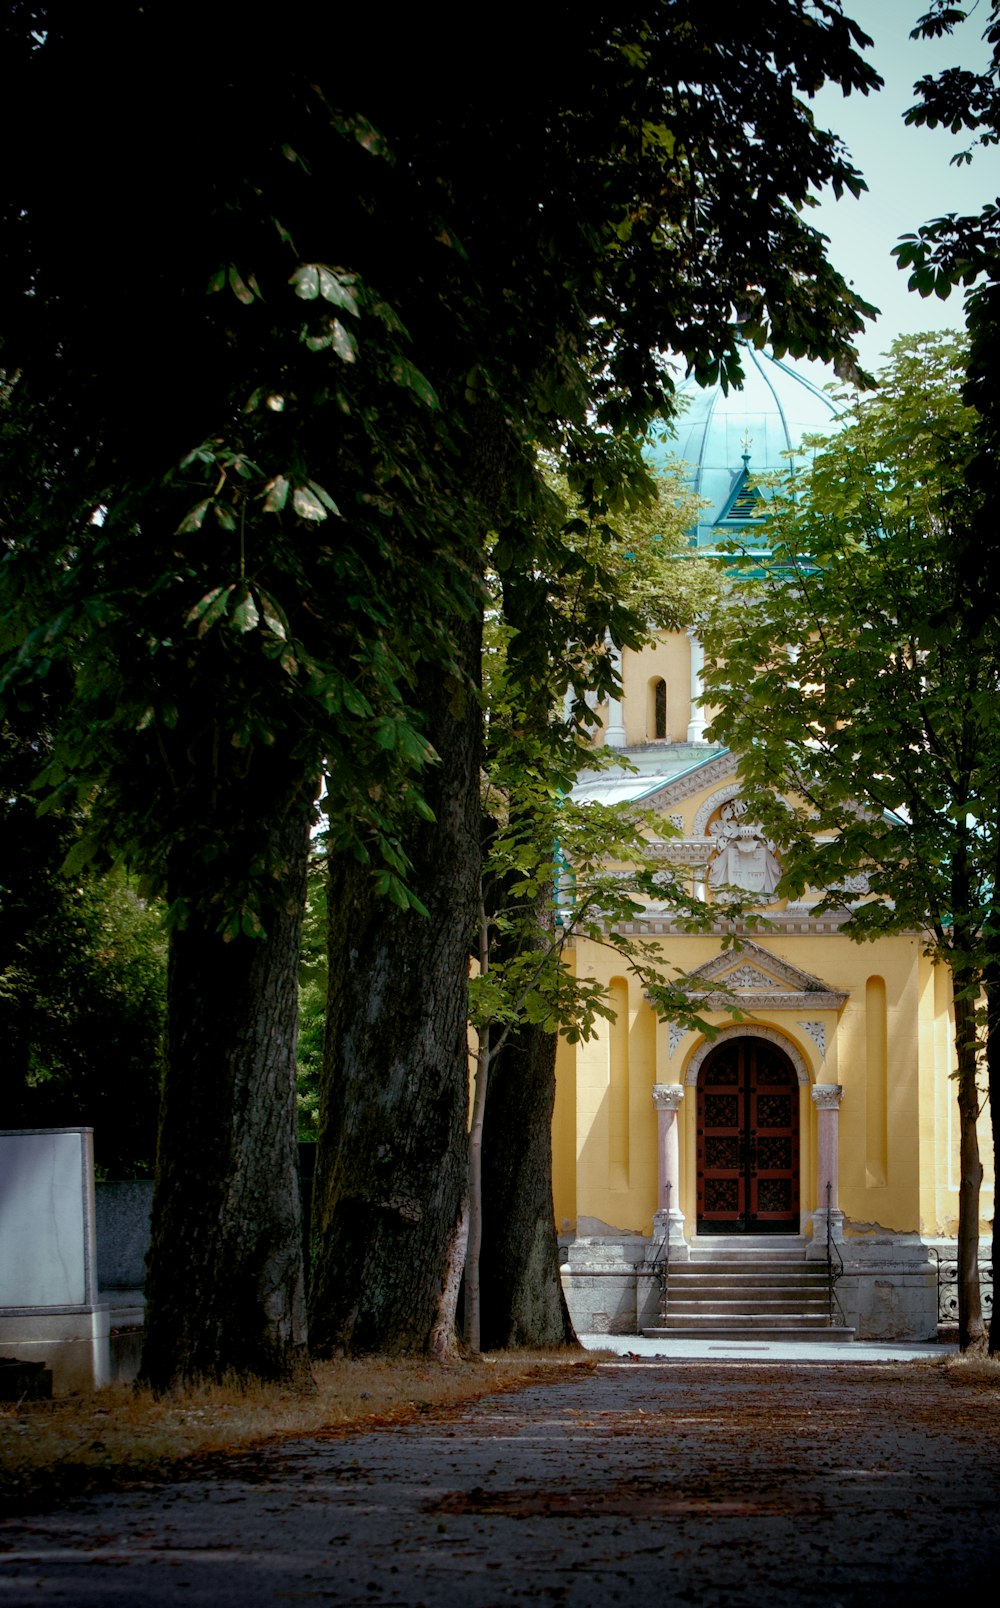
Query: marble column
615	736
696	726
668	1220
827	1098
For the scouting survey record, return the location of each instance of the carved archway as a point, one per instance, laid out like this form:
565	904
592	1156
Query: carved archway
747	1100
746	1030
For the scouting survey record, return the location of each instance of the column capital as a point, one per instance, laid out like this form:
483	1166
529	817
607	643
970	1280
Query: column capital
668	1096
827	1096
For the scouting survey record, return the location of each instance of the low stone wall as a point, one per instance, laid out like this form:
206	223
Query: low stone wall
599	1280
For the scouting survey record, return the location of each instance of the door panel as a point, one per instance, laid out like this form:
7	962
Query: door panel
748	1140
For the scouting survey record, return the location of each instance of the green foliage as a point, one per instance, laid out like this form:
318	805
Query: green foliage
601	865
859	678
556	869
82	985
238	499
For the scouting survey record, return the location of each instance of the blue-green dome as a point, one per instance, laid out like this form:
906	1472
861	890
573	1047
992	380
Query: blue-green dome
727	439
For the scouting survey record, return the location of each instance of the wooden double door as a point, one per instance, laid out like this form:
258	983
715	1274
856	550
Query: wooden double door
748	1140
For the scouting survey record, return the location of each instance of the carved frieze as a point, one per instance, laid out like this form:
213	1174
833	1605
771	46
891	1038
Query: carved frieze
692	782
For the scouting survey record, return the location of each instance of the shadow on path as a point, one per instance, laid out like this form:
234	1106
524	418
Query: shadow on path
644	1483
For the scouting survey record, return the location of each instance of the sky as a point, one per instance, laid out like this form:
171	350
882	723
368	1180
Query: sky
908	170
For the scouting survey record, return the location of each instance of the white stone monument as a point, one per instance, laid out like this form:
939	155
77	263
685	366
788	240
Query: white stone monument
49	1306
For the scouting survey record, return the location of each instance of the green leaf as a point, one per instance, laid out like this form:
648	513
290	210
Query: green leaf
251	925
276	494
324	497
225	516
342	341
306	281
195	518
406	373
273	617
356	702
245	615
203	605
80	854
238	286
307	505
216	609
216	282
337	287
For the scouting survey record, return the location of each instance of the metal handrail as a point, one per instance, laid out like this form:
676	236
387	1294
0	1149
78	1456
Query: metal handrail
660	1263
832	1275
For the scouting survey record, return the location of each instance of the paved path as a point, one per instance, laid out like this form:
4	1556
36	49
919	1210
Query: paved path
645	1483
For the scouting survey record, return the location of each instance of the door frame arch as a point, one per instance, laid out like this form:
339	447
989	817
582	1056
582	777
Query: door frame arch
807	1142
746	1030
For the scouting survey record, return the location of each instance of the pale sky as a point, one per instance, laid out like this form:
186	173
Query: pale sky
910	179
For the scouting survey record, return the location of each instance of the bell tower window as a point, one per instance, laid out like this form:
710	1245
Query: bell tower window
656	723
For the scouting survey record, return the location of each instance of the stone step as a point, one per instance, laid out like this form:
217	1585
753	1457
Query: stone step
747	1276
750	1299
743	1330
748	1288
749	1245
733	1253
722	1301
723	1314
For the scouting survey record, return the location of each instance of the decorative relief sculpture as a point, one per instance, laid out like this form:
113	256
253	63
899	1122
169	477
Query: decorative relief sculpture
744	857
817	1032
854	884
747	977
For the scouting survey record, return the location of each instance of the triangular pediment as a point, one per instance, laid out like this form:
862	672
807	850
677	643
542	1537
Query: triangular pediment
719	765
752	975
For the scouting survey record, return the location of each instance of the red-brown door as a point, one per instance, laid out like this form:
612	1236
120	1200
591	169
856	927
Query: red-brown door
748	1140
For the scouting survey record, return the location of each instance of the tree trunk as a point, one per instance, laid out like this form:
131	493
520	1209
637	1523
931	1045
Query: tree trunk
522	1302
226	1290
389	1222
971	1333
992	986
473	1249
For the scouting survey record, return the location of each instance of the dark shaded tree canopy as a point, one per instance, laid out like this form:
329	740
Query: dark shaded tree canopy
285	312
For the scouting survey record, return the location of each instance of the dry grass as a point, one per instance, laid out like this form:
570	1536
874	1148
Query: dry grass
975	1366
52	1450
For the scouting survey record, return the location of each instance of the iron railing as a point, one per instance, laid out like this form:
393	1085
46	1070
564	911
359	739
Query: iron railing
947	1286
834	1271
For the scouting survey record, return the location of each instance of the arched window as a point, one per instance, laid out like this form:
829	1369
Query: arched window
656	721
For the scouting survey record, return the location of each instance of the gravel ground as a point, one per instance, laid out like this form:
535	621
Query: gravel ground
734	1482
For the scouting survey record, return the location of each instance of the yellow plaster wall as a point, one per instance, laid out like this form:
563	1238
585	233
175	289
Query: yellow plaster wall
916	1176
670	657
939	1136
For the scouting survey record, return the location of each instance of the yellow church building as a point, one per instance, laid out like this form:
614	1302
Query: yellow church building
811	1147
